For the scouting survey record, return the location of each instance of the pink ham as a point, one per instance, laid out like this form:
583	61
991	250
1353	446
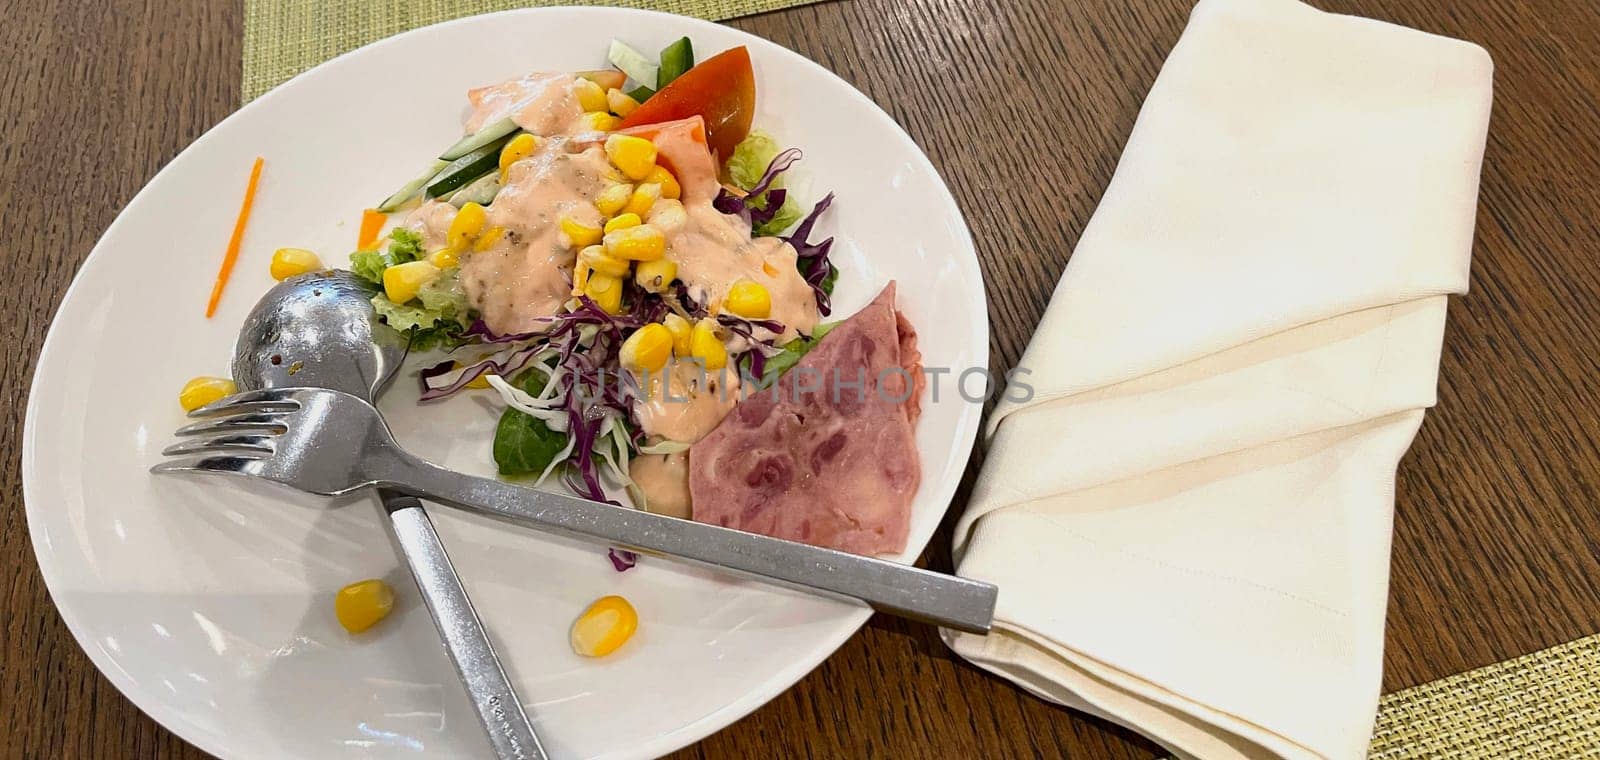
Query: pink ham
825	462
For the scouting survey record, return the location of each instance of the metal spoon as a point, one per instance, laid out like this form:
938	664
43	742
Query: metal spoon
319	330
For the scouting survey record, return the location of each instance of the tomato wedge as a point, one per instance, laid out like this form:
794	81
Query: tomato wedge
721	90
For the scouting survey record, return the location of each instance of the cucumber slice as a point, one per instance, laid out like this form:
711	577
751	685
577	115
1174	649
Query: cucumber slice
675	59
502	128
467	168
480	191
410	189
641	93
635	64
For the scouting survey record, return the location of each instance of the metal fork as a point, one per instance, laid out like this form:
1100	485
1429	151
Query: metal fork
332	443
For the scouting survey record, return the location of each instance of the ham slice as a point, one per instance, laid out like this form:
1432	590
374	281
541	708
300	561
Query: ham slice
816	457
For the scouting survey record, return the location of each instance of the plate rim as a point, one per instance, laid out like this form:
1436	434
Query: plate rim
149	702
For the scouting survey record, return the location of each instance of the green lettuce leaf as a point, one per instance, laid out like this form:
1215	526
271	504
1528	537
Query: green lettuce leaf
749	161
436	318
523	444
793	352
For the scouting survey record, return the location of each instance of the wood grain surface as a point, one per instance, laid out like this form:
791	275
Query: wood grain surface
1024	106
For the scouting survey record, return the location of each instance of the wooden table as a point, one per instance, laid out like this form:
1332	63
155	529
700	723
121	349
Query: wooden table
1497	535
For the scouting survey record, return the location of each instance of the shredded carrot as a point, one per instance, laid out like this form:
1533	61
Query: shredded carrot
232	253
371	222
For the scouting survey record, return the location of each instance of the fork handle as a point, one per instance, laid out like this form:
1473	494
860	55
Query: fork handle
890	587
509	730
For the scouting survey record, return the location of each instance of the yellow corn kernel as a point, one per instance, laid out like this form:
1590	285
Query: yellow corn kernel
362	604
681	331
402	281
600	261
205	390
520	147
749	299
655	276
579	235
591	96
648	348
620	102
465	227
605	291
669	184
706	346
668	216
641	243
580	277
599	121
613	198
288	262
644	197
635	156
623	221
489	238
444	258
607	624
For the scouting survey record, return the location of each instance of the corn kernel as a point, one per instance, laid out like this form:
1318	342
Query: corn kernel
289	262
444	258
749	299
580	277
402	281
620	102
599	121
598	260
607	624
579	235
669	184
635	156
668	216
648	348
642	243
613	198
489	238
655	276
681	331
644	197
706	346
591	96
205	390
623	221
605	291
518	148
465	227
362	604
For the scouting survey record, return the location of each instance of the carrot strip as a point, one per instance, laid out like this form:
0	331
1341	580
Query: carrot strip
371	223
232	254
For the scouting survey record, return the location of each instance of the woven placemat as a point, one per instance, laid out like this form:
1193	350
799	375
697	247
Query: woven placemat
285	37
1541	705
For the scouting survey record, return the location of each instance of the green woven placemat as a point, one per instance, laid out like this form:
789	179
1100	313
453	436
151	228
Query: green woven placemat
1541	705
285	37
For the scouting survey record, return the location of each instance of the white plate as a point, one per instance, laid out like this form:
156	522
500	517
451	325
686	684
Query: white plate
208	602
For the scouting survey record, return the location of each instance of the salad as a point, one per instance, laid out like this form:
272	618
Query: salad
609	251
614	255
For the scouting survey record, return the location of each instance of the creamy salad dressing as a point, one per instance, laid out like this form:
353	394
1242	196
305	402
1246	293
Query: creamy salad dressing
664	479
715	250
543	104
698	401
526	275
431	221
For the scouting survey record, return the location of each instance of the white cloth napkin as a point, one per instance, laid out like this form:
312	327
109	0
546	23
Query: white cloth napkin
1190	520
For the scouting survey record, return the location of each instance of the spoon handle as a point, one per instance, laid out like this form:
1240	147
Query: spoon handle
508	727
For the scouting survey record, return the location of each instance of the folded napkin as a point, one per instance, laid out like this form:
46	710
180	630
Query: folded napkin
1189	521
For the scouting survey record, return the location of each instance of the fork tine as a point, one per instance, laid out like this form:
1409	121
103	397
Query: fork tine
242	444
226	465
271	424
270	399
